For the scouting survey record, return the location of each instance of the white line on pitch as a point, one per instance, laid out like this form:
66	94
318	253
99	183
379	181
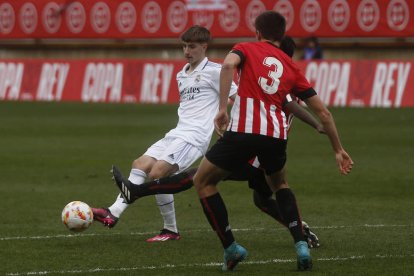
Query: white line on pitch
195	230
158	267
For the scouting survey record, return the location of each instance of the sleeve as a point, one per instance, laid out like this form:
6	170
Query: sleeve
215	80
239	50
233	89
303	90
289	98
215	83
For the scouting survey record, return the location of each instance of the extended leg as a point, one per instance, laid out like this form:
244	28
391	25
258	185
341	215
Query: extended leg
166	185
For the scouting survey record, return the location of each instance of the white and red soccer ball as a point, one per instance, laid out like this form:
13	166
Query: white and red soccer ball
77	216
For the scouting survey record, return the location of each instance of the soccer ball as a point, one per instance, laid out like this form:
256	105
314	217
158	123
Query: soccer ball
77	216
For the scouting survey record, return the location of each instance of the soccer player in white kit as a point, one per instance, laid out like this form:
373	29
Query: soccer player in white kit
198	85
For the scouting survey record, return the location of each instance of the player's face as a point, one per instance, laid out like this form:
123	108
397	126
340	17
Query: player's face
194	52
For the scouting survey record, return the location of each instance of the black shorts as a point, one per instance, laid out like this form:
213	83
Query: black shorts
232	151
255	178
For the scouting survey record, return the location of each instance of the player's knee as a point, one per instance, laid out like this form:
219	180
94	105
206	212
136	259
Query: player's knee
281	185
202	181
198	181
143	163
162	169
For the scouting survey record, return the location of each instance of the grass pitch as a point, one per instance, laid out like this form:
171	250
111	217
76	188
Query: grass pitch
53	153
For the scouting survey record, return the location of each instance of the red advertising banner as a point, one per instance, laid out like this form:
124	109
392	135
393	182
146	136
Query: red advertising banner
167	19
338	82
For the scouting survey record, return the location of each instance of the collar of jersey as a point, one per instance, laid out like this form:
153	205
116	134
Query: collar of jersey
198	68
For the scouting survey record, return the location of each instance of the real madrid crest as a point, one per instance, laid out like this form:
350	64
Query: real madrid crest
198	78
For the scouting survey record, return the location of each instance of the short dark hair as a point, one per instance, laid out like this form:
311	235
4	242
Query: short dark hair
288	45
271	25
196	33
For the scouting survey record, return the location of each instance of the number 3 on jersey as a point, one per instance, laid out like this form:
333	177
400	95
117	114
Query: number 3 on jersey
274	75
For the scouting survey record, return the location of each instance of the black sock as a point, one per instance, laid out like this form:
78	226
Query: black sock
269	206
216	214
290	213
167	185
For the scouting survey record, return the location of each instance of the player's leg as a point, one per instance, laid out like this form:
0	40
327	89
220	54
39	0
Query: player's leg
228	154
263	199
138	174
177	156
165	203
289	211
262	194
166	185
272	158
109	216
205	181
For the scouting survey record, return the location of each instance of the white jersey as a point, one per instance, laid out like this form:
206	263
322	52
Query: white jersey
199	101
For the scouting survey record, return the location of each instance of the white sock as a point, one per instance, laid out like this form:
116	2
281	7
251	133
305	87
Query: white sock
166	205
136	177
118	207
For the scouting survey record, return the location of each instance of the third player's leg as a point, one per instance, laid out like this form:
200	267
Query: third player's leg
207	177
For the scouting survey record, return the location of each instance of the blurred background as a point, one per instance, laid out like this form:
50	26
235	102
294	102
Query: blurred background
365	47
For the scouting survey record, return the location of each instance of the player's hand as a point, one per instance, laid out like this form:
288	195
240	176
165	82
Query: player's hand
344	162
221	121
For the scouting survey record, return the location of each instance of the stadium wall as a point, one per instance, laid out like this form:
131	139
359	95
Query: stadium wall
63	34
355	83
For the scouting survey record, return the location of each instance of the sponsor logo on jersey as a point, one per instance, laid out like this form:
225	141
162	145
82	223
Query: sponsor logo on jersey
189	93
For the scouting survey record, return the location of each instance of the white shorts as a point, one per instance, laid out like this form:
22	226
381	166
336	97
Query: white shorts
174	151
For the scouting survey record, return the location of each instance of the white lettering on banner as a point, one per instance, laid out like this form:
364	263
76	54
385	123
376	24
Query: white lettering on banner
384	80
11	75
101	79
153	76
329	78
52	81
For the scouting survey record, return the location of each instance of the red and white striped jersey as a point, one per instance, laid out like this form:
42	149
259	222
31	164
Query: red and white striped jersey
289	98
266	76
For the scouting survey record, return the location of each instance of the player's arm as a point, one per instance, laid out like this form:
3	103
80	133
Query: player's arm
226	78
303	115
343	160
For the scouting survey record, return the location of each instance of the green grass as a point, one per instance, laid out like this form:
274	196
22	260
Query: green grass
51	154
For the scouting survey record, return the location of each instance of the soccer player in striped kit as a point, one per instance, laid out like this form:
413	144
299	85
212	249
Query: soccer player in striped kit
251	172
258	127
